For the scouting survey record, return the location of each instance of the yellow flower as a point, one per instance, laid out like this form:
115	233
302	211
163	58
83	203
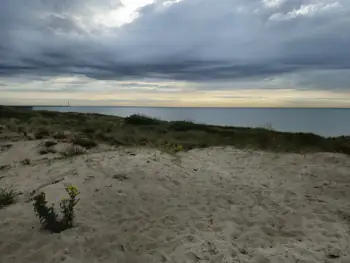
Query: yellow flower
179	148
72	191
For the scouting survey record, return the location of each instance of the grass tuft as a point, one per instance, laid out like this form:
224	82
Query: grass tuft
7	197
72	150
26	161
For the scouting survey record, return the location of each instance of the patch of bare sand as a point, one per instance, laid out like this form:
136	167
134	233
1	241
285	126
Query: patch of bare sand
210	205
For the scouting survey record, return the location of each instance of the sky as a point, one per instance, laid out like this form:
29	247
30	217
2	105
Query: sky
217	53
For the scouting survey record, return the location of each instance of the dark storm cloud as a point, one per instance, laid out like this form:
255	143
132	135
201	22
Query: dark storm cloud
193	40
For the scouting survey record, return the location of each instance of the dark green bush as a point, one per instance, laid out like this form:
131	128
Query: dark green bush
136	119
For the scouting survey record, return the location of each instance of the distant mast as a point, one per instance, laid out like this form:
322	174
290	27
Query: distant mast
68	104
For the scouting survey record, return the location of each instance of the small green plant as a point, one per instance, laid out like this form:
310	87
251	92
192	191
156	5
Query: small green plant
178	148
49	219
7	197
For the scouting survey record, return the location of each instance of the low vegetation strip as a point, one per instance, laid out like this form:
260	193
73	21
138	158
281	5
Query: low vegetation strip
138	130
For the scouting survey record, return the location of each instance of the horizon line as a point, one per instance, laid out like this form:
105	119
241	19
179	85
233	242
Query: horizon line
198	107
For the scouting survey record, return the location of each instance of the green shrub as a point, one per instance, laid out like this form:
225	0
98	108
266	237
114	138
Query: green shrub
49	218
7	197
136	119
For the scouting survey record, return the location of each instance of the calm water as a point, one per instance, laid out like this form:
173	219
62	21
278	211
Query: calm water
326	122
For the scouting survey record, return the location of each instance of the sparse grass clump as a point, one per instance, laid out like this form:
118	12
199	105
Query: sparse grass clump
7	197
41	133
46	150
72	150
26	161
84	142
48	217
50	143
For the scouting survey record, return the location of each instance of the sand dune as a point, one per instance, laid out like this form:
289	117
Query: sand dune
208	205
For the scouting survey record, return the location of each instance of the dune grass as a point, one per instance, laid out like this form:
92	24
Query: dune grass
88	129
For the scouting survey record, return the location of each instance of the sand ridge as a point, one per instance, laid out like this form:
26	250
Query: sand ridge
206	205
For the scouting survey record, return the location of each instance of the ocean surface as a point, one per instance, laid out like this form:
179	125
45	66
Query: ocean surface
325	122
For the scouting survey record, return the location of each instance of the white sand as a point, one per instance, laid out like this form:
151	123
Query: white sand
211	205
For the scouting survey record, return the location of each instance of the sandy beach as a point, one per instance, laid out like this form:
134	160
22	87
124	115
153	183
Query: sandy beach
205	205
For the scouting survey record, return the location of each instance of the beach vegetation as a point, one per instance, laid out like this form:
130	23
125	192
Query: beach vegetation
48	216
87	130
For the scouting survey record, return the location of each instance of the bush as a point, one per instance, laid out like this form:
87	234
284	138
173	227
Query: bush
42	133
49	218
141	120
187	126
7	197
59	135
85	142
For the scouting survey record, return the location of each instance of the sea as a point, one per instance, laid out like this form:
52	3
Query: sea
328	122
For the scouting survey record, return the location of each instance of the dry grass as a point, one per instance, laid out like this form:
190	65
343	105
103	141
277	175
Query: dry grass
88	130
72	151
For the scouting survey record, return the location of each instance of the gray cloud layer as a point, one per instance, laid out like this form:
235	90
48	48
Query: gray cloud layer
193	40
